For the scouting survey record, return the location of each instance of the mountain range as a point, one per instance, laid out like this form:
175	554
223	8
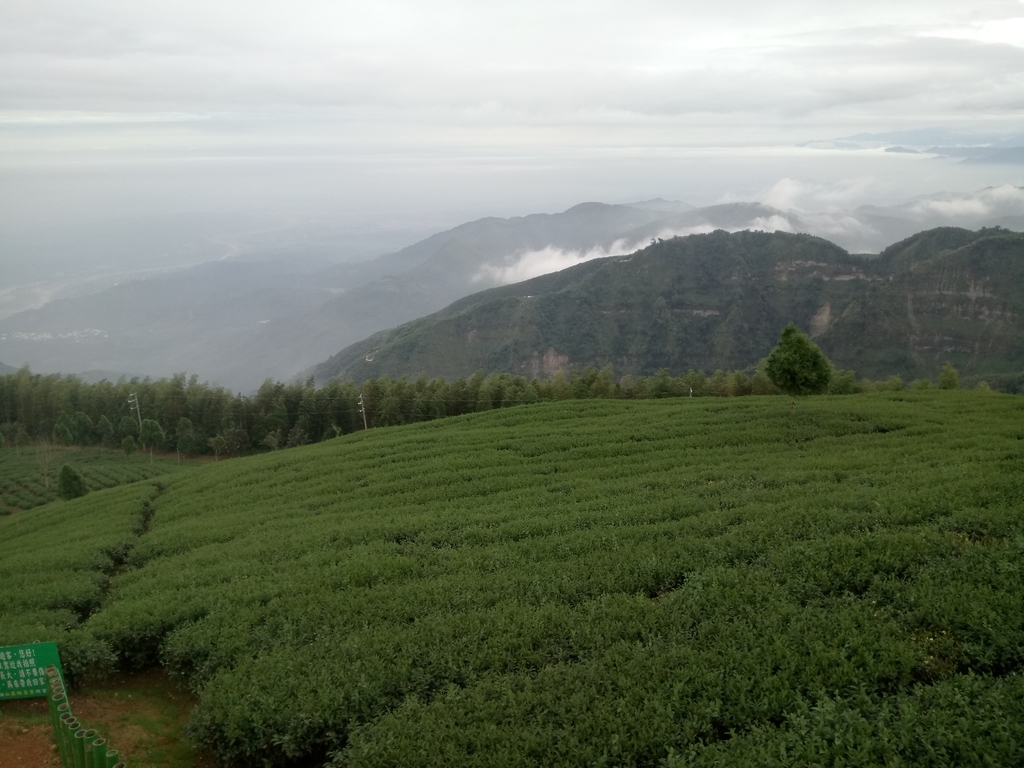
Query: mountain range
237	321
719	301
971	148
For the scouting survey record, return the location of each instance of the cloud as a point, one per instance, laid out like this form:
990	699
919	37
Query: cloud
838	225
952	208
484	108
1004	31
699	229
544	261
774	223
550	259
797	195
1004	200
631	74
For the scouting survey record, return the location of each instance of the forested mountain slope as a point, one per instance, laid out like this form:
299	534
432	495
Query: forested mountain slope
273	312
718	301
239	323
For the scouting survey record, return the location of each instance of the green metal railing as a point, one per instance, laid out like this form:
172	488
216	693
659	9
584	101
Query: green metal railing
79	747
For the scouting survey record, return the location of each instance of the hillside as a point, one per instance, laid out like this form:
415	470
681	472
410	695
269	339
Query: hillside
28	474
273	308
676	582
239	322
718	301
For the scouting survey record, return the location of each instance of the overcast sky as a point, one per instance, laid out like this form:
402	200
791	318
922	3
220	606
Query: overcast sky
451	108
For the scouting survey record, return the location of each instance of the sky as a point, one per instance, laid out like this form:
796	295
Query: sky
423	114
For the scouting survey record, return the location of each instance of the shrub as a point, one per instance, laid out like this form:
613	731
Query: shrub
948	377
70	484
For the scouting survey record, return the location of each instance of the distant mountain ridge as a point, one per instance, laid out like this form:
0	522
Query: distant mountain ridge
237	322
718	301
988	148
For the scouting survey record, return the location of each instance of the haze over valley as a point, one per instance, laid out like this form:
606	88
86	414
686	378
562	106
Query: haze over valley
241	192
268	306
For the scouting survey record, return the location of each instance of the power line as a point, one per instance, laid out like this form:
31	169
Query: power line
133	400
362	410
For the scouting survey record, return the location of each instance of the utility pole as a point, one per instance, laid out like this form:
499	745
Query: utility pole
362	410
133	401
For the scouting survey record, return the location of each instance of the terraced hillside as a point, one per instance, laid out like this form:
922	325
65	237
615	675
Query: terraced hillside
672	582
28	475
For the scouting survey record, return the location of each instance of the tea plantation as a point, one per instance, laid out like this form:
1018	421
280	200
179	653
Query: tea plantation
659	583
28	475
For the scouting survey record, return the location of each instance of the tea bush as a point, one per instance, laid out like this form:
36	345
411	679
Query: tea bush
669	582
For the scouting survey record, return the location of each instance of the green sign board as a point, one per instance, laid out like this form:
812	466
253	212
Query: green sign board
23	669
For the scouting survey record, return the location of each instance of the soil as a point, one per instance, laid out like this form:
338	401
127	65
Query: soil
142	715
27	747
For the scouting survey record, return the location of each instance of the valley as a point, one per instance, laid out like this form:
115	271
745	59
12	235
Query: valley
294	297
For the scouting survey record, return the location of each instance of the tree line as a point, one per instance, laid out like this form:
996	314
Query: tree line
192	418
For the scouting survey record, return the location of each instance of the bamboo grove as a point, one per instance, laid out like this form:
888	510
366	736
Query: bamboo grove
180	414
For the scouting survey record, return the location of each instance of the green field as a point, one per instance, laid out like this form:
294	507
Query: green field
28	475
661	583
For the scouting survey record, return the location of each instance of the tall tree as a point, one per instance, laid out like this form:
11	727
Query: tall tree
128	426
151	434
216	444
236	440
184	435
105	430
62	433
296	437
47	454
81	428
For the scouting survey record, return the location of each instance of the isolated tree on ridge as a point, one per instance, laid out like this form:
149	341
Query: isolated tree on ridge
796	365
